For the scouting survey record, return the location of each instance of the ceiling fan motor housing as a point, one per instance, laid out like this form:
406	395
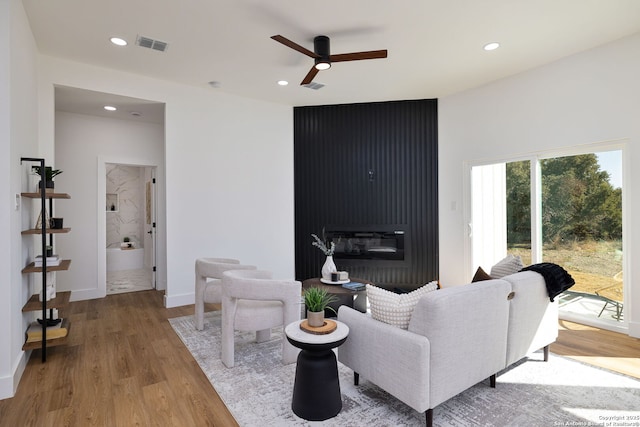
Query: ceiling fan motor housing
321	47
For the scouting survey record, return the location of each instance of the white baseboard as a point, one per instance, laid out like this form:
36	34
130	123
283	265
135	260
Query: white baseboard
9	384
6	387
85	294
634	329
179	300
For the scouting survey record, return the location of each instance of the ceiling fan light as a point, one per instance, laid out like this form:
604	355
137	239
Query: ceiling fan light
321	46
321	65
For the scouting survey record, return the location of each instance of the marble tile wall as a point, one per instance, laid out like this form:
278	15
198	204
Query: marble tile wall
127	220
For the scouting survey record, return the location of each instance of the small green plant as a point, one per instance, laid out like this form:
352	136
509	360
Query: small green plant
317	299
126	240
49	172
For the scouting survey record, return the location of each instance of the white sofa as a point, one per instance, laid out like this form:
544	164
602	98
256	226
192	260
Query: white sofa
457	337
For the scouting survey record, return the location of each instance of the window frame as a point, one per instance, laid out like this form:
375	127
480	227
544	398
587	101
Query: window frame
536	219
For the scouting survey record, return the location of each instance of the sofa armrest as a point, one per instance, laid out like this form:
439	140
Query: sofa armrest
533	320
394	359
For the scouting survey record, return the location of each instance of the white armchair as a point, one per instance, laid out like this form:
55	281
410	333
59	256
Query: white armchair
209	282
253	301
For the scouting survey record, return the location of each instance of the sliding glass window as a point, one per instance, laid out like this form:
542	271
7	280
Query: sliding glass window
565	210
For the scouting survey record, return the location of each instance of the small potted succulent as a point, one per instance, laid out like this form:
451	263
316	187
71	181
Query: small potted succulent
317	300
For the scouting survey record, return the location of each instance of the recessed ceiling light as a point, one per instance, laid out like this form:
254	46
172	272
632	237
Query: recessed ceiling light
283	82
491	46
110	108
118	41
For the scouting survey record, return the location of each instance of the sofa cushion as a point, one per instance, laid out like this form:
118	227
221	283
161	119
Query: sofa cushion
395	309
480	275
506	266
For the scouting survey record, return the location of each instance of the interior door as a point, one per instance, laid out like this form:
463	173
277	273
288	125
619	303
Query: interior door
150	211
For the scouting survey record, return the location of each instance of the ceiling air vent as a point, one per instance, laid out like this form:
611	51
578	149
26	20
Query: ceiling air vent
151	43
314	86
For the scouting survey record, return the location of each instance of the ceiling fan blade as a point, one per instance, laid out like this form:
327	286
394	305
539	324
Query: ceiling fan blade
295	46
357	56
309	77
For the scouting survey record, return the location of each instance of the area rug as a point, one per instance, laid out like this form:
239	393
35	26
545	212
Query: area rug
561	392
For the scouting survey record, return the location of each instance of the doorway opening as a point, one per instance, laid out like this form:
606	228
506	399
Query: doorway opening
130	222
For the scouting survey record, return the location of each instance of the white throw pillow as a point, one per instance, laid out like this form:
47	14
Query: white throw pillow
506	266
396	309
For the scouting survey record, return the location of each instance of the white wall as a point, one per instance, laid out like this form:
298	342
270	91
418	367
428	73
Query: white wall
229	171
7	285
82	141
18	138
586	98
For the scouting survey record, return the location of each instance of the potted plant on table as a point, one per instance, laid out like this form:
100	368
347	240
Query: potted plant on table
317	300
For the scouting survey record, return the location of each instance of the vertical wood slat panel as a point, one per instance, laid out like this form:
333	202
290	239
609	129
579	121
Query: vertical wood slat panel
335	147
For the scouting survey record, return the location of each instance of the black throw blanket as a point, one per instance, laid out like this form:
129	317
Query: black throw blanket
556	277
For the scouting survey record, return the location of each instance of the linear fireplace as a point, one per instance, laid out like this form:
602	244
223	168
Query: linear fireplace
385	245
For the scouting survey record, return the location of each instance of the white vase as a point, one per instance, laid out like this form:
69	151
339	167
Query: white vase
328	268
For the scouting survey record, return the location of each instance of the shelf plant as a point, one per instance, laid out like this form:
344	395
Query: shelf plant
49	174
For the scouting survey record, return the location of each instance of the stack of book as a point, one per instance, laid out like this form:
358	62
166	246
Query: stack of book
34	332
52	261
355	286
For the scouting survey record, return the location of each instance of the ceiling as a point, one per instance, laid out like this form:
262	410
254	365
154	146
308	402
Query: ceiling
74	100
435	46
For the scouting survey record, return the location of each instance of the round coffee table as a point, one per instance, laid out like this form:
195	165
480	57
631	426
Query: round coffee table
353	299
316	391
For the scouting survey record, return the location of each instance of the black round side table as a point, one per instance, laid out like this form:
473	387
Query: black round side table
316	391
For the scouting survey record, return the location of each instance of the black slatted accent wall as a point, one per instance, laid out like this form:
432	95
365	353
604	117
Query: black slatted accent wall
335	149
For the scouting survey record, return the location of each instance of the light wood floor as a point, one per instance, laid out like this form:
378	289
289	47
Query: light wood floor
125	366
598	347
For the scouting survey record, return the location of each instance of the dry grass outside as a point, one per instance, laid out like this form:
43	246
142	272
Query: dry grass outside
595	266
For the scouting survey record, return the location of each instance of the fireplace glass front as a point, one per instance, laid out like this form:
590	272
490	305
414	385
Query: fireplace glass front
368	245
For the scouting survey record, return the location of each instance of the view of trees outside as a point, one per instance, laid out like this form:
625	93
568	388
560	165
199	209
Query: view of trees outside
581	221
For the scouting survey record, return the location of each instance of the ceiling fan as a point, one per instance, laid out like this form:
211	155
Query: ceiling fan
322	55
